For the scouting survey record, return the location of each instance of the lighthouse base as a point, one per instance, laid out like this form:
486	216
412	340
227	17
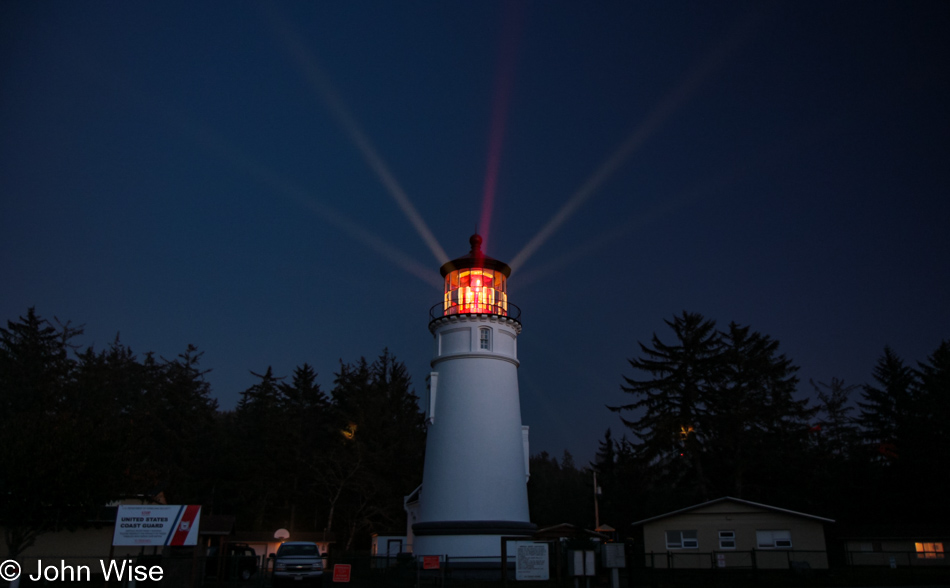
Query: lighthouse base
460	539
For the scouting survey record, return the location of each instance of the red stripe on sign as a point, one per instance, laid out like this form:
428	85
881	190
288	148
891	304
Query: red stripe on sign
184	525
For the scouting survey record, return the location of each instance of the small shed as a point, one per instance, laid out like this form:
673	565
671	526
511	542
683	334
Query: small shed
734	533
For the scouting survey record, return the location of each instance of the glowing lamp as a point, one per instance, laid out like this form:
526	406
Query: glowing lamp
475	283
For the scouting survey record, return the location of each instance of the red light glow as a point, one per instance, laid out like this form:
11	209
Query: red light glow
475	291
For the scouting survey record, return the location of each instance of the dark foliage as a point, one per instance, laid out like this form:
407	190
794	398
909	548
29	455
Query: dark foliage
81	428
713	413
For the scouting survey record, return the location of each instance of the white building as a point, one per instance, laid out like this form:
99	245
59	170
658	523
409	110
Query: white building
474	484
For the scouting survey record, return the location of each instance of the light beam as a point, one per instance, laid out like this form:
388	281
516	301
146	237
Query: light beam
293	192
773	155
698	74
507	61
320	82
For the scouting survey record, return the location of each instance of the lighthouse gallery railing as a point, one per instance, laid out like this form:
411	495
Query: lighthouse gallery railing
439	310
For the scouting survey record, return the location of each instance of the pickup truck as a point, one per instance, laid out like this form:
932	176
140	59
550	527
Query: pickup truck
298	563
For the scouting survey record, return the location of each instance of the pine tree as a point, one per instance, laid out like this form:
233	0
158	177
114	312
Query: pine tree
753	419
263	454
671	400
887	407
605	460
928	431
717	414
835	428
308	429
42	434
377	457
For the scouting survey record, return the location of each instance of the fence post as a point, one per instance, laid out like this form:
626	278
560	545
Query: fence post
504	562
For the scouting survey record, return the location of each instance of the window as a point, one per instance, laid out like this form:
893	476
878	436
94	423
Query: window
484	338
727	539
929	550
773	539
682	540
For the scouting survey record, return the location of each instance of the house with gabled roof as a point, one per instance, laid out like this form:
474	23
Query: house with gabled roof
735	533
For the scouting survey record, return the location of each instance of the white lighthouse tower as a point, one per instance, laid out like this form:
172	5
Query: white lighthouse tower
474	483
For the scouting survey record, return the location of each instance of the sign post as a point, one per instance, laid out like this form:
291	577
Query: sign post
581	564
614	558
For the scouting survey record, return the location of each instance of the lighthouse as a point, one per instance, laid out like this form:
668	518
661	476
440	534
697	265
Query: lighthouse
474	485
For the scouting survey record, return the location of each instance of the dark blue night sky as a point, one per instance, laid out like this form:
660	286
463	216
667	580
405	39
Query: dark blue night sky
242	176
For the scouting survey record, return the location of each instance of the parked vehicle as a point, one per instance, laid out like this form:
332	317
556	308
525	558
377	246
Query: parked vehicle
240	561
298	563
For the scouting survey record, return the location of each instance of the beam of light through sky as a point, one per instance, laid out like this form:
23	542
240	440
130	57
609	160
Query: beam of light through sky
700	72
228	152
778	153
302	197
668	206
320	82
505	73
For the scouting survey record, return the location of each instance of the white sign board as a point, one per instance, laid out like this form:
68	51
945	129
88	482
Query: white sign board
580	563
532	562
157	525
613	555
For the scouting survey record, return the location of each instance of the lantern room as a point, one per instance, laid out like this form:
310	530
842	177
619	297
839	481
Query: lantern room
475	283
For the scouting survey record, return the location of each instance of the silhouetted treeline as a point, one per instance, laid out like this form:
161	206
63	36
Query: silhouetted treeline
80	428
712	413
716	413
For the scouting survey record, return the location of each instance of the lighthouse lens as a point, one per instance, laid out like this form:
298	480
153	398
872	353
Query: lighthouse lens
475	291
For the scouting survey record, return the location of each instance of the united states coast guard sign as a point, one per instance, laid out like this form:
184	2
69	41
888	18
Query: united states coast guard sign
157	525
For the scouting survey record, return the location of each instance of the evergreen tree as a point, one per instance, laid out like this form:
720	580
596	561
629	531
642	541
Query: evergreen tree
605	461
836	429
559	492
927	436
887	406
717	414
263	454
756	428
671	401
309	423
903	421
45	449
377	457
932	407
175	420
105	391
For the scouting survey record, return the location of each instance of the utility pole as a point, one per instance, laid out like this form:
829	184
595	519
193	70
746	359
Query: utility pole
596	505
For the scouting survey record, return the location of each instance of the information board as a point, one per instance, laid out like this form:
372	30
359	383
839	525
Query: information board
532	562
160	524
580	563
613	555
